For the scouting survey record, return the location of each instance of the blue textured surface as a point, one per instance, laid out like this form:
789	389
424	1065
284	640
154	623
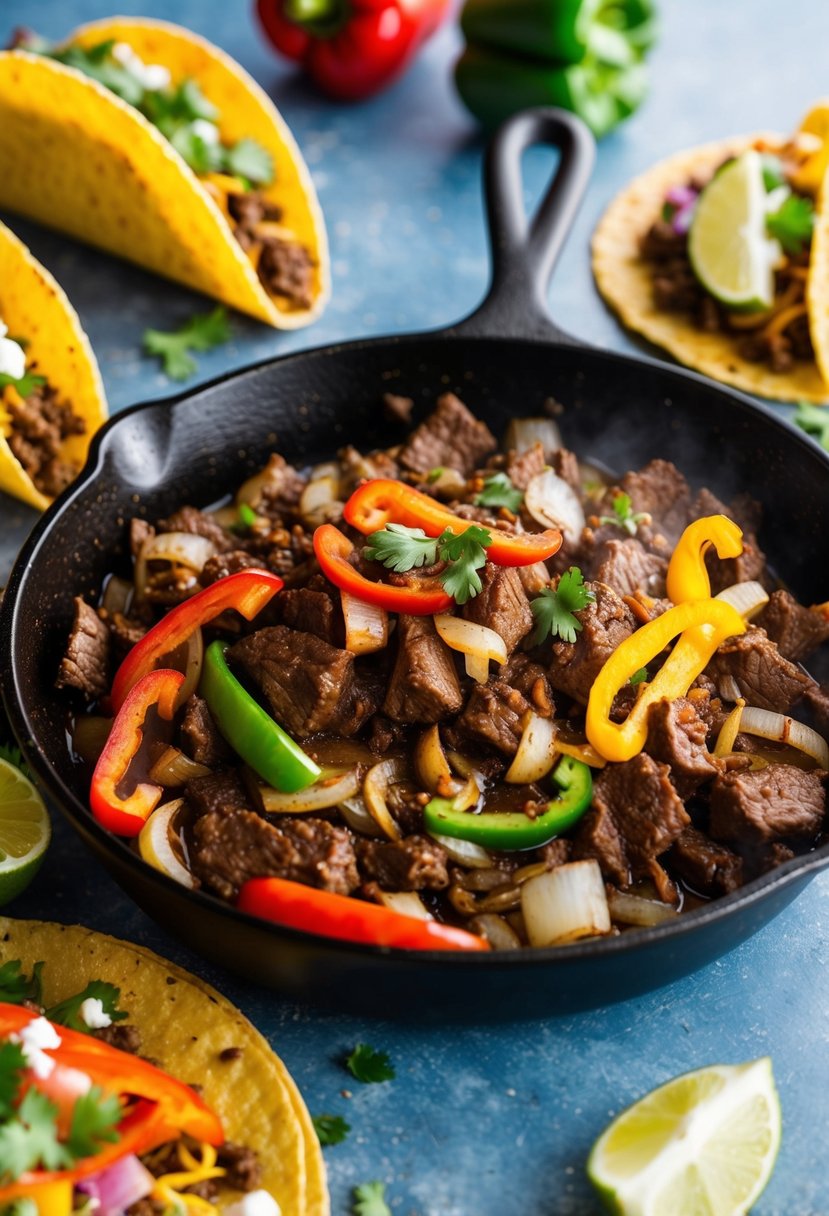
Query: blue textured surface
484	1122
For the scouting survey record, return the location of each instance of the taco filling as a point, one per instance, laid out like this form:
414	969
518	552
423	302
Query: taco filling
35	420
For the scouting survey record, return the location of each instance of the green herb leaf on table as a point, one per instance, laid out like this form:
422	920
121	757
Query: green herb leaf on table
466	555
17	987
12	1067
330	1129
370	1066
499	491
24	386
95	1119
201	332
553	609
624	516
30	1139
793	223
369	1200
814	420
68	1012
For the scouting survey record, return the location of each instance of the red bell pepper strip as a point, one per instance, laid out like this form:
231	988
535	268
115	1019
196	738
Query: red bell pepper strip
248	592
333	550
296	906
126	815
351	48
385	501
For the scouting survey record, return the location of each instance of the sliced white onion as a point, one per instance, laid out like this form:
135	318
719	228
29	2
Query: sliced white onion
329	791
179	548
465	852
450	483
535	754
729	730
728	688
273	476
117	595
553	503
782	729
565	904
329	468
407	903
499	934
431	765
318	503
634	910
524	433
155	845
366	625
748	598
174	768
356	814
477	642
187	658
375	788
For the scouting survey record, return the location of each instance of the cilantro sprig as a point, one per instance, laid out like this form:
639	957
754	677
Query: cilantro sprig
68	1012
13	755
792	224
553	609
499	491
330	1129
624	516
402	549
369	1200
814	420
17	987
201	332
25	385
369	1065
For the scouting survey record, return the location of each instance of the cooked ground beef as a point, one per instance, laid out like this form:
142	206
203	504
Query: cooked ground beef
85	665
708	868
40	425
244	1169
423	686
677	736
780	801
286	270
606	622
763	676
416	863
122	1035
249	208
451	437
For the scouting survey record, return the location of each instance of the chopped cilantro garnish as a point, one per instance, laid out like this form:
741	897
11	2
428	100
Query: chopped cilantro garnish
792	224
624	516
12	1066
27	1207
370	1066
499	491
814	420
434	474
95	1118
400	548
201	332
247	516
68	1012
249	160
639	676
98	63
369	1200
13	755
553	609
30	1139
330	1129
16	987
773	175
24	386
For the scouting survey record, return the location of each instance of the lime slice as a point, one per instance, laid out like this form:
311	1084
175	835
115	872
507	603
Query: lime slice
155	843
704	1144
731	253
24	831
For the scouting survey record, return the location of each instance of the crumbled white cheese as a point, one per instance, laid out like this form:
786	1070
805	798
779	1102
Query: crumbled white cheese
151	76
12	355
255	1203
208	131
92	1012
34	1038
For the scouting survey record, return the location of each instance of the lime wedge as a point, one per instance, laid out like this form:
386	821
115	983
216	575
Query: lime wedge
704	1144
24	831
731	253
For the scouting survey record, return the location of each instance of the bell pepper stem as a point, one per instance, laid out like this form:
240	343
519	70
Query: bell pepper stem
315	12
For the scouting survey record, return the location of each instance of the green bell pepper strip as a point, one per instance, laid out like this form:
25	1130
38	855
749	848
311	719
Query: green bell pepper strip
513	830
251	732
617	32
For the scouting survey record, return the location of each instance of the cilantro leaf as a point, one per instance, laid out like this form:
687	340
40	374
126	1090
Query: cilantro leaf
499	491
16	987
624	516
31	1138
553	609
330	1129
435	474
466	554
68	1012
773	175
201	332
186	103
369	1200
400	548
21	1207
95	1119
792	224
814	420
639	676
250	160
12	1067
97	63
370	1066
25	386
13	755
201	156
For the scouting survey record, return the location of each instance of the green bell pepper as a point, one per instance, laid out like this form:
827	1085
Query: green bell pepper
250	731
513	830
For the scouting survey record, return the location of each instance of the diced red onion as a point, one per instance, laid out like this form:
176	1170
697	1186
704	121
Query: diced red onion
117	1188
681	220
681	196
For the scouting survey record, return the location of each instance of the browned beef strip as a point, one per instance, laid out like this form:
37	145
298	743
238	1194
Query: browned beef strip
424	684
190	519
565	464
250	207
227	849
140	531
201	737
281	487
676	736
661	491
627	567
451	437
758	806
501	604
636	814
555	853
816	698
221	565
523	466
494	716
312	611
39	427
661	243
748	565
531	680
147	1207
415	863
797	630
244	1169
707	867
763	676
307	684
286	269
86	663
217	793
126	631
606	622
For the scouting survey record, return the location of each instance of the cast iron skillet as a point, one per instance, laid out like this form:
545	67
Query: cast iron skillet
507	359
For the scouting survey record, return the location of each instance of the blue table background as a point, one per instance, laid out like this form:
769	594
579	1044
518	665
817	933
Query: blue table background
481	1121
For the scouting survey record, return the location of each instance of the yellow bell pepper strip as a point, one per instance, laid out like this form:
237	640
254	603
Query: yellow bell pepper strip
687	577
703	624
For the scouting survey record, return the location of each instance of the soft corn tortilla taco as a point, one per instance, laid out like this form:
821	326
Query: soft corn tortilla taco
75	156
626	281
196	1035
44	433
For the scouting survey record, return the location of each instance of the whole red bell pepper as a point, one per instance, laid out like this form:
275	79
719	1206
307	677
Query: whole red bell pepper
352	920
333	551
125	814
351	48
248	592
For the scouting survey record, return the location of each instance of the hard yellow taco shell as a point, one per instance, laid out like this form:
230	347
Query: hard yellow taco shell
185	1025
35	308
624	280
75	157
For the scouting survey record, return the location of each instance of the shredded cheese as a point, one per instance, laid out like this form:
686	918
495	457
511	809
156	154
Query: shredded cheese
169	1187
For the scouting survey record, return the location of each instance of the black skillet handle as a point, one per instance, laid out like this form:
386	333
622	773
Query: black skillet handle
525	249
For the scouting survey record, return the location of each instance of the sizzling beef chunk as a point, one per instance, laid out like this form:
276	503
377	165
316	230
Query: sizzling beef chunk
493	716
676	736
307	684
223	564
244	1169
217	793
190	519
605	624
555	853
660	490
817	699
635	816
796	630
397	408
766	804
416	863
424	684
565	464
450	437
312	611
228	848
39	425
140	531
86	662
522	467
286	269
501	605
748	565
707	867
531	680
201	737
763	676
627	566
280	488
